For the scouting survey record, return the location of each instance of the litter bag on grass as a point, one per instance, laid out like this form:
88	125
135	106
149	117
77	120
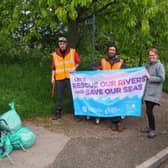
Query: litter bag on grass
5	146
22	139
12	119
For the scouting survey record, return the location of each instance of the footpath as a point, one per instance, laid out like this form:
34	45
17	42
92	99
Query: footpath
87	145
43	152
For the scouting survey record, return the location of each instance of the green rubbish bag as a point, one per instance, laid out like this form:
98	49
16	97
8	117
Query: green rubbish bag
5	146
12	119
22	139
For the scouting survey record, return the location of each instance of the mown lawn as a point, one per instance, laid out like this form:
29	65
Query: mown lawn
29	87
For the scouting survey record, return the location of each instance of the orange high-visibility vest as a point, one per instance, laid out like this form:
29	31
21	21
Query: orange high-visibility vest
107	66
63	65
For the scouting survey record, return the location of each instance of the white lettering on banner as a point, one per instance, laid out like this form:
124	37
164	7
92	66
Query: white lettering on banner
111	110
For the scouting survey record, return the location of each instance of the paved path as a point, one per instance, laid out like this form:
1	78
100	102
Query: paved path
112	150
86	145
122	150
43	152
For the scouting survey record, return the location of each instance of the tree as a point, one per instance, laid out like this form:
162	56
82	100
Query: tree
129	22
29	18
135	26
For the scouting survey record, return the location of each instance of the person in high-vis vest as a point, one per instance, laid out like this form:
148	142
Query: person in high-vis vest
64	61
111	62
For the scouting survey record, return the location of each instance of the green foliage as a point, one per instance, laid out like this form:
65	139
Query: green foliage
25	55
28	86
42	20
134	26
61	14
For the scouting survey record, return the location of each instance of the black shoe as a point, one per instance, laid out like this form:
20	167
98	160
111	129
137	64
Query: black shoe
57	115
117	127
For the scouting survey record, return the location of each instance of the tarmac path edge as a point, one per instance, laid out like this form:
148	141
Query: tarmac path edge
43	152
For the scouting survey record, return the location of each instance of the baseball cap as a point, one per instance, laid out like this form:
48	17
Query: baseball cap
62	39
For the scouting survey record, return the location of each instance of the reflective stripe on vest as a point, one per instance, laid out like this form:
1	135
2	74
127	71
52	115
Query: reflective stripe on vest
63	65
107	66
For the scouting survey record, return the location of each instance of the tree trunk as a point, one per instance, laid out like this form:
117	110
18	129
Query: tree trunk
73	34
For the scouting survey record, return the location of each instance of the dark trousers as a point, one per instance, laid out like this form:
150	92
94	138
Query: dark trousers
150	115
61	86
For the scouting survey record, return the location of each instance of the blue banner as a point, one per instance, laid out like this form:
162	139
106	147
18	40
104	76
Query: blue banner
108	93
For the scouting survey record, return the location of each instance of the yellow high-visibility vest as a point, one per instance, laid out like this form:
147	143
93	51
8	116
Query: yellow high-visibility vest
63	65
107	66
